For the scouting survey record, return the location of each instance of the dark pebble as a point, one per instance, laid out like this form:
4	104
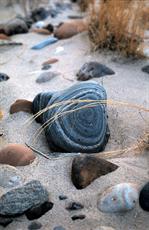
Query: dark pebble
3	77
62	197
146	69
38	211
93	70
34	225
49	27
78	217
4	221
58	228
86	169
74	206
144	197
46	67
39	14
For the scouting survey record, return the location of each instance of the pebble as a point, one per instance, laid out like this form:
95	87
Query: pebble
78	217
104	228
18	200
46	67
3	77
63	197
144	197
41	31
85	169
69	29
119	198
4	37
10	176
50	61
39	210
34	225
93	70
146	69
21	105
58	228
39	14
74	206
50	40
49	27
15	26
16	155
46	76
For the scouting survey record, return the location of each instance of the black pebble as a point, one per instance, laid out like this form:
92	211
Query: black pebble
46	67
3	77
58	228
62	197
34	225
146	69
38	211
144	197
4	221
74	206
79	217
49	27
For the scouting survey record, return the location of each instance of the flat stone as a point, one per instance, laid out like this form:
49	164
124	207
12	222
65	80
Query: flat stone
146	69
21	105
78	217
85	169
63	197
15	26
16	155
46	76
58	228
93	70
19	200
10	176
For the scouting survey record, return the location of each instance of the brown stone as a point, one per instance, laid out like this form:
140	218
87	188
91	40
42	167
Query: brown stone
21	105
50	61
69	29
86	169
16	155
41	31
4	37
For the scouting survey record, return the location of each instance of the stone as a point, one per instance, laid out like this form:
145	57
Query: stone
39	14
49	27
15	26
144	197
21	105
34	225
119	198
46	67
46	76
50	61
85	169
41	31
23	198
145	69
3	77
16	155
39	210
74	206
4	37
63	197
93	70
80	127
10	176
4	221
58	228
69	29
78	217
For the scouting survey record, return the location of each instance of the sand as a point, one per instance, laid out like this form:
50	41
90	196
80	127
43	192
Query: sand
127	125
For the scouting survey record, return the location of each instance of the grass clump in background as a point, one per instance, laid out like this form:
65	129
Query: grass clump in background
118	25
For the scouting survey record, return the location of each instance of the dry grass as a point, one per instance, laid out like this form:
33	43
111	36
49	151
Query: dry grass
117	25
84	4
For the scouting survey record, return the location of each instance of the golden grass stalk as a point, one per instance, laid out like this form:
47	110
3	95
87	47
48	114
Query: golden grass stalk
117	25
84	4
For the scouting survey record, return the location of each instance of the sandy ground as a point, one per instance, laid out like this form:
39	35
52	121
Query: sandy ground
129	84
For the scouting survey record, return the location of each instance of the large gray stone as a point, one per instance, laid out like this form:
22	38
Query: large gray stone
17	201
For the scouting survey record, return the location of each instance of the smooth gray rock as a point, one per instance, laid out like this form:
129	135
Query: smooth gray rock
15	26
17	201
46	76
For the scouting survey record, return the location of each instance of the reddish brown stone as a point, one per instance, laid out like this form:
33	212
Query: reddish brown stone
4	37
21	105
41	31
16	155
50	61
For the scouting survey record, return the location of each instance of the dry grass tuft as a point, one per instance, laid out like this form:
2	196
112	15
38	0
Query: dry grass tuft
118	26
84	4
